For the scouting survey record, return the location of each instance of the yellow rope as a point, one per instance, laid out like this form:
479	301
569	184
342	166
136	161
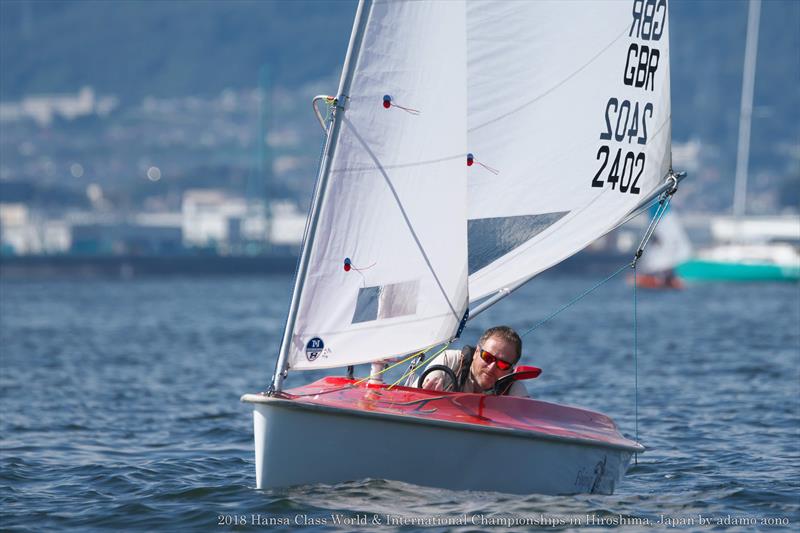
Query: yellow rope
409	372
352	385
413	355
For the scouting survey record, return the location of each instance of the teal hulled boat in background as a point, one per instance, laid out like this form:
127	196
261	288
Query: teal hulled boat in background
743	262
697	270
763	248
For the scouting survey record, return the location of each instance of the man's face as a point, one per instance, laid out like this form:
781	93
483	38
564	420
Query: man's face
487	374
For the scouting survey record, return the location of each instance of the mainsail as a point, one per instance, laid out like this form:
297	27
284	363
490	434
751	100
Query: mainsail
481	143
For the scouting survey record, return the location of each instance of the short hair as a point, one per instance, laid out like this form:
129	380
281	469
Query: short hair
505	333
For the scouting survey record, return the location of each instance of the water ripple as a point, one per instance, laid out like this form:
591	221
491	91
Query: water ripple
120	408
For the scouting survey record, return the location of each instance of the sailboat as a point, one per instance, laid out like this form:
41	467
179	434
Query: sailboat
753	250
670	247
470	146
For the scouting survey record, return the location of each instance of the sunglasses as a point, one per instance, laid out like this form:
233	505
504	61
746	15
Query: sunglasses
490	358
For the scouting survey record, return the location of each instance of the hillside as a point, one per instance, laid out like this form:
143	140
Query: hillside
163	48
136	49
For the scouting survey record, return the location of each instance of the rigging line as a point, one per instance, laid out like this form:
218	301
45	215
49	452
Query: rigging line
401	165
651	228
360	381
635	364
413	355
554	87
663	205
411	370
576	299
323	392
402	212
661	127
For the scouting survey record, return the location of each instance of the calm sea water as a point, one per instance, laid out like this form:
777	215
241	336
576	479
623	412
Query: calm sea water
120	409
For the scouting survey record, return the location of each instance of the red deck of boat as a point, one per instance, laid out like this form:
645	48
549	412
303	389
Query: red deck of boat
485	411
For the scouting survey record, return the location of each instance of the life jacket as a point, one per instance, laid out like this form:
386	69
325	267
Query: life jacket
467	353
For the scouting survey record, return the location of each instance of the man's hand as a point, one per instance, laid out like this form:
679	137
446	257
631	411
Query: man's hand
434	381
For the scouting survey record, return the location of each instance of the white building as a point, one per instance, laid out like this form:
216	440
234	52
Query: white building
24	232
213	218
756	229
287	224
44	108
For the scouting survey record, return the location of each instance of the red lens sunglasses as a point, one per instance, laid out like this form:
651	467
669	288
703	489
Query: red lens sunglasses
491	358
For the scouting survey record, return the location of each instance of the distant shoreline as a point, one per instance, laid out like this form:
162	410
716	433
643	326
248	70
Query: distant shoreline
41	267
79	266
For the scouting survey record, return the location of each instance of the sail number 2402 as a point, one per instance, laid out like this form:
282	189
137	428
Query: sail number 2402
625	121
625	170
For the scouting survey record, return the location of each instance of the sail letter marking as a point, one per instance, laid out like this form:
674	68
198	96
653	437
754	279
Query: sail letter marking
640	68
648	19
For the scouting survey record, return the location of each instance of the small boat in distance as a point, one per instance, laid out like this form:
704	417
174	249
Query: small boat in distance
471	146
665	280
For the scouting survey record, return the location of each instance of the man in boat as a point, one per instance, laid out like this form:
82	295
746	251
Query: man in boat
478	369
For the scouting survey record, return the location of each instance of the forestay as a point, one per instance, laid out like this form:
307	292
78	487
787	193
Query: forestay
669	246
569	102
388	264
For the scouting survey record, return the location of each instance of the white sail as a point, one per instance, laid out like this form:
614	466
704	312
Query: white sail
395	203
569	126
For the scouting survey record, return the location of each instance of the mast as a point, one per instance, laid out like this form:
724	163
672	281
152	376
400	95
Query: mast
746	112
353	50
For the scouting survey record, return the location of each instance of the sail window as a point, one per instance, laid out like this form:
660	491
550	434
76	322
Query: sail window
386	301
492	238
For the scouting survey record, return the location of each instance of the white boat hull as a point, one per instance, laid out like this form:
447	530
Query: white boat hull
299	444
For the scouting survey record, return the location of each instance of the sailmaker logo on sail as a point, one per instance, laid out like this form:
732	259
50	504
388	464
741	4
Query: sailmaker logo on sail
314	348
